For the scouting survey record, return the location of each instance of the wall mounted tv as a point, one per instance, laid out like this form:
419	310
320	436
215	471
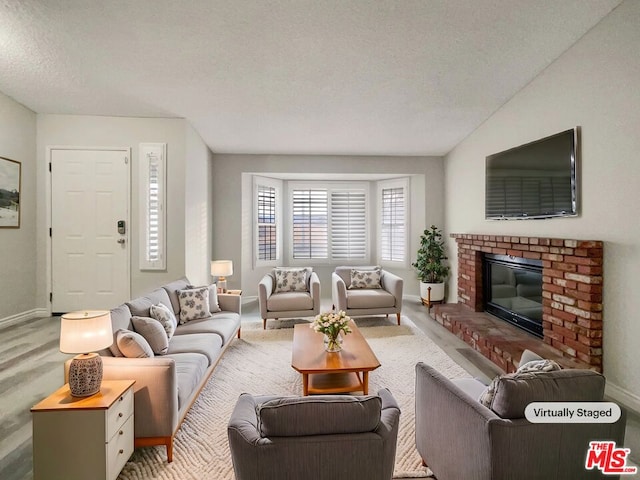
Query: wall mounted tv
535	180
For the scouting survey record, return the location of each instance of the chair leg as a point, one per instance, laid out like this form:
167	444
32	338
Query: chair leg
398	315
264	323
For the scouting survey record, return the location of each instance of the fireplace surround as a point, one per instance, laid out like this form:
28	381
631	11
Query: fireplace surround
572	278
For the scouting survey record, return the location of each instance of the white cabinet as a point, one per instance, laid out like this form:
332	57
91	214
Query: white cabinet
83	438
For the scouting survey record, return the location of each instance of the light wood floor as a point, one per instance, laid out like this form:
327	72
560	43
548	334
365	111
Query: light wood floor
31	368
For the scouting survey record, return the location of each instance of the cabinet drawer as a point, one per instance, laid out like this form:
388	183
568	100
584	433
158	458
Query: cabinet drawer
119	412
119	449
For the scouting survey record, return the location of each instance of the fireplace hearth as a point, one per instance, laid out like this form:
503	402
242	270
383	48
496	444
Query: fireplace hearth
571	275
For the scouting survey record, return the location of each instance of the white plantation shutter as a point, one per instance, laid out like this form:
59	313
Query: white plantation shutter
267	227
393	228
348	224
310	223
152	206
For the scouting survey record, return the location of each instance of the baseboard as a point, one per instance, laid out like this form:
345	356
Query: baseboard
18	317
623	396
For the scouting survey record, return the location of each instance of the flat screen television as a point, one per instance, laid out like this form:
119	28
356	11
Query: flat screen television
535	180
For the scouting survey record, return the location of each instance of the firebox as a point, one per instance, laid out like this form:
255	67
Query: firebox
512	290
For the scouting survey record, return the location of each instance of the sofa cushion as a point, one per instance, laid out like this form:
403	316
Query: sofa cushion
172	291
513	392
370	298
190	368
291	279
141	306
318	415
133	345
194	304
289	301
208	344
164	314
224	324
214	307
365	278
153	332
120	319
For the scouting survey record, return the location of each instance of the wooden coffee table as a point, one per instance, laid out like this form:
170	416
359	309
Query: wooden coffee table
341	372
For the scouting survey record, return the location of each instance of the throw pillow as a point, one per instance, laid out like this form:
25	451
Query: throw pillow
291	280
214	306
366	278
194	304
153	332
132	344
166	317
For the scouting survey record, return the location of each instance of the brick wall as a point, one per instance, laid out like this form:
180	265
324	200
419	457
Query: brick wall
571	287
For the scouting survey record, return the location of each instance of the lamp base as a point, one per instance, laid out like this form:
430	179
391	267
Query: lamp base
85	374
222	284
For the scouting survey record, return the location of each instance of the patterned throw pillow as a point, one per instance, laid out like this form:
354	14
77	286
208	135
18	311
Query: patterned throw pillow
486	397
194	304
153	332
291	280
214	306
166	317
132	344
365	278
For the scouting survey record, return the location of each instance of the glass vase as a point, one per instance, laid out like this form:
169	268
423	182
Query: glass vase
332	344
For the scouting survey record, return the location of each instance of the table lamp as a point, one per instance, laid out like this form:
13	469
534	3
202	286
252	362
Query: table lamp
221	269
82	333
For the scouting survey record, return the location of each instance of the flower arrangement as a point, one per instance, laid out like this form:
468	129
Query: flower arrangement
331	325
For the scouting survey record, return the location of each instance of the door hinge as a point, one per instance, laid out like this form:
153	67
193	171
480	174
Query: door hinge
51	232
49	166
50	297
126	159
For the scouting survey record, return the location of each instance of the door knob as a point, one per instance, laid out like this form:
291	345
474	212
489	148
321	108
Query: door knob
121	241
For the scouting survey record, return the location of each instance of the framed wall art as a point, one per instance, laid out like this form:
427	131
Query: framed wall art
10	178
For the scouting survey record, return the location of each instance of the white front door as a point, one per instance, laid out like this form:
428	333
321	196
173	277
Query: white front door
89	245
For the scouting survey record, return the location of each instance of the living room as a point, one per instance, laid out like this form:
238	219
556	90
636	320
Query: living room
592	83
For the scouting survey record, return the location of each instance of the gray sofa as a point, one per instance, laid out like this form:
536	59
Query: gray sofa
366	301
167	385
458	437
332	437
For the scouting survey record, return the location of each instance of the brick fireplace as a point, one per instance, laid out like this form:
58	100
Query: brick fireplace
571	290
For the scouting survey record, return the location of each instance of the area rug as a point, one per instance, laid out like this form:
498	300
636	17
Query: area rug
260	363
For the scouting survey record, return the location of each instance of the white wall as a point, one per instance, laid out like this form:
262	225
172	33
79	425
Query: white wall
232	204
17	258
198	211
596	85
93	131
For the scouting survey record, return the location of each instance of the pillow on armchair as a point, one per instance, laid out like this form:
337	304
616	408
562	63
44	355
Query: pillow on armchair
292	279
366	278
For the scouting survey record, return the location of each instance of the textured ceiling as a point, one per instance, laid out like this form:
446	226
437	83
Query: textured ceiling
377	77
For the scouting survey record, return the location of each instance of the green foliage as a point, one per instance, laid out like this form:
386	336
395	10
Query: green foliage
430	257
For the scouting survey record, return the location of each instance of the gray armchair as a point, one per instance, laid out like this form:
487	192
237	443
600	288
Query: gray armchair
458	437
333	437
289	304
366	301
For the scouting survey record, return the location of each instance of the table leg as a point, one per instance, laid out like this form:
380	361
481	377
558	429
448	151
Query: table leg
365	383
305	384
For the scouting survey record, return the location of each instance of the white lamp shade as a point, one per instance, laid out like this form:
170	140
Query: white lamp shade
221	268
84	332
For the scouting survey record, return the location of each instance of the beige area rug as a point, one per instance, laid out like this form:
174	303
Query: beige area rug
260	363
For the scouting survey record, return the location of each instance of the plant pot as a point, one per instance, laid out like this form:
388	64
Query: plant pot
437	292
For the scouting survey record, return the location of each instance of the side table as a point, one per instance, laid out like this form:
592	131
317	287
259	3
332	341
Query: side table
81	438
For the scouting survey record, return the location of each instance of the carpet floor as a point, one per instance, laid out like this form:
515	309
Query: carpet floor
260	363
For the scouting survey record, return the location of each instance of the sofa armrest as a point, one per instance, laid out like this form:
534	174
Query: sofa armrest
155	391
338	292
243	424
314	288
393	284
230	303
265	289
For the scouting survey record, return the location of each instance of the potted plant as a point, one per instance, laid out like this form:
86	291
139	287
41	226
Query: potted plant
429	266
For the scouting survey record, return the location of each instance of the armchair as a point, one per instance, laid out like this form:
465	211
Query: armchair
458	437
355	301
333	437
297	294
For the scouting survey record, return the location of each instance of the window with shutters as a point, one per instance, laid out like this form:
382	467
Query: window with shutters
152	206
268	215
393	197
329	222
